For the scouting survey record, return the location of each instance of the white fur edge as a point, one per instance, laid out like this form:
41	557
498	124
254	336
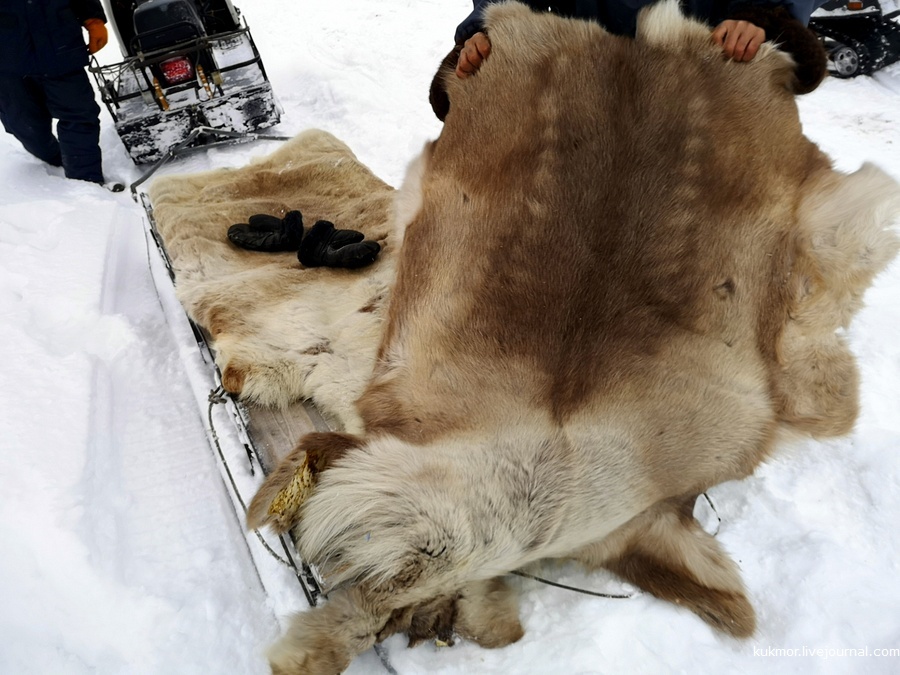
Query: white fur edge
663	24
854	217
409	198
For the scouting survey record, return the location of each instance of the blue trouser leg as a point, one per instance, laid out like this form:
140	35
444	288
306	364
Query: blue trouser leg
23	111
70	99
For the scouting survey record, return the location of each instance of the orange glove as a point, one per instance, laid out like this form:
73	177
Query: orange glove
97	35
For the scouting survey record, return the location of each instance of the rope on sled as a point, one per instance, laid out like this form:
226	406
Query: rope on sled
715	513
383	657
217	396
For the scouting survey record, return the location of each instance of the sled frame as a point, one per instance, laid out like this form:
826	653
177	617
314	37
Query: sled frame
236	415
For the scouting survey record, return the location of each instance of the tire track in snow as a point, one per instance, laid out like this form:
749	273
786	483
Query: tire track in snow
160	520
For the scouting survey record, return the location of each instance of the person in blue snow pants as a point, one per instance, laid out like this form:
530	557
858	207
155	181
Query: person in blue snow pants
43	56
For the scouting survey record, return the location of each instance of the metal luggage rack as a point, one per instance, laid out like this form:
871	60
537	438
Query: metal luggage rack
111	78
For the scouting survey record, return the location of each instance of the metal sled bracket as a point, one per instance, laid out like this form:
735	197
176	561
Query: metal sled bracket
209	138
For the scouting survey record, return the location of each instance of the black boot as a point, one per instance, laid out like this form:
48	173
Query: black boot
269	233
325	246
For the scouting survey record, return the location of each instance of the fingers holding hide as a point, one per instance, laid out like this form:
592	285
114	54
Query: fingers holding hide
475	50
739	40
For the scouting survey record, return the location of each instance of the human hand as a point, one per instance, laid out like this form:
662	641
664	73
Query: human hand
739	40
475	50
97	35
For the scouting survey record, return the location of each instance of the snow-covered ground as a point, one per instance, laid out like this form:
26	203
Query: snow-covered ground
119	548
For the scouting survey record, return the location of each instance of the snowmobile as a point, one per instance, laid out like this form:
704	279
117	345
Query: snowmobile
857	35
191	72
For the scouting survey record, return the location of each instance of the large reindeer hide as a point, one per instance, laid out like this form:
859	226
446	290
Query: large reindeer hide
625	270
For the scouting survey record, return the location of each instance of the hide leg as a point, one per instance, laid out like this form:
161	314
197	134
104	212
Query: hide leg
324	640
432	620
488	613
665	552
485	612
277	502
279	499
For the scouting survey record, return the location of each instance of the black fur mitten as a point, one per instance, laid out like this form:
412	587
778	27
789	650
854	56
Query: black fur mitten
269	233
791	36
325	246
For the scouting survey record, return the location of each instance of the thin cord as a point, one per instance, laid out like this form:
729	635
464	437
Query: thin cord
574	588
216	396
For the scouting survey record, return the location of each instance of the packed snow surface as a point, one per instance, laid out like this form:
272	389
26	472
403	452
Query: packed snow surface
121	552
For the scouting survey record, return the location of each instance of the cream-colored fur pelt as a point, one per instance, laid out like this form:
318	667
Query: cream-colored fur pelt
282	332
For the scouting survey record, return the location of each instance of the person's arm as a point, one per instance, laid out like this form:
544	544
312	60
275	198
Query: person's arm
474	23
749	23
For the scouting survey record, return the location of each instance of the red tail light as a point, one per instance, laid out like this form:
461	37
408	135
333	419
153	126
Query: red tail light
177	70
854	5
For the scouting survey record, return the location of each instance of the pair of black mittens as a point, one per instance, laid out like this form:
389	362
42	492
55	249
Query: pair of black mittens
269	233
323	246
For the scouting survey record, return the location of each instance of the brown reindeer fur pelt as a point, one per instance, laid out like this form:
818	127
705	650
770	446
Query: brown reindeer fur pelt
282	332
623	273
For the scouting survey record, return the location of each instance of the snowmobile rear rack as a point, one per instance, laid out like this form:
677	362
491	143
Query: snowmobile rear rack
179	75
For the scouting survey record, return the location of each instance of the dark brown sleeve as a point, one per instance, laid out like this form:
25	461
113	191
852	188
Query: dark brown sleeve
88	9
437	95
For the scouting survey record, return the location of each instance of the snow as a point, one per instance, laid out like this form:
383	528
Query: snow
121	552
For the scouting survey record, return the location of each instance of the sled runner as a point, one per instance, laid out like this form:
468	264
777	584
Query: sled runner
188	65
247	440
